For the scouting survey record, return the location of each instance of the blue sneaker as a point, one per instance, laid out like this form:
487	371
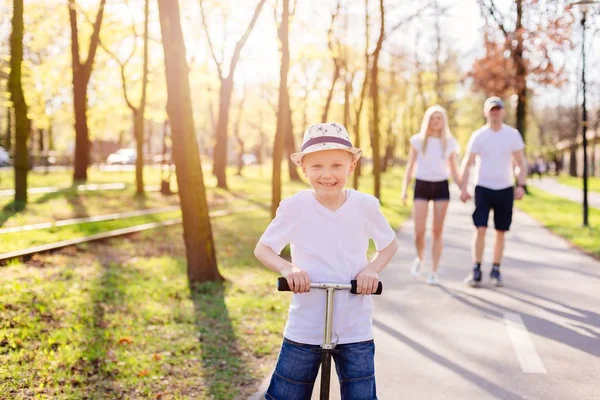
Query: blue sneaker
474	278
495	277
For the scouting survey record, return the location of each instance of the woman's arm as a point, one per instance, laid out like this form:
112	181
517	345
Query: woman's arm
410	164
452	161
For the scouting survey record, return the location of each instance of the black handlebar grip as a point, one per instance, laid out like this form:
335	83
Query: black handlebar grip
282	285
353	290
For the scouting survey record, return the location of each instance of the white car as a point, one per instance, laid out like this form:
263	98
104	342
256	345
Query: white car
4	157
122	157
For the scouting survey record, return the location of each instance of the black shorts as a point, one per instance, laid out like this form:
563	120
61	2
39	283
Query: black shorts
425	190
501	201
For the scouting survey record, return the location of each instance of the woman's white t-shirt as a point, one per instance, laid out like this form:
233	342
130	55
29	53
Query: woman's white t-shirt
432	165
331	246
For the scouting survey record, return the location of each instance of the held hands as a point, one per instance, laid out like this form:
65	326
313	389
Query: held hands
367	281
297	279
465	196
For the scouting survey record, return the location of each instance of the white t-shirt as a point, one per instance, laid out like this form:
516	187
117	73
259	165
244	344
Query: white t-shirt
432	165
331	246
495	150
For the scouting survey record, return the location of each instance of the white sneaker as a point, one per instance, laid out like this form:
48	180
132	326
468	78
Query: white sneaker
432	279
416	268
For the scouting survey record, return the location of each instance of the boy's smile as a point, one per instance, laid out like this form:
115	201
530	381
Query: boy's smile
327	172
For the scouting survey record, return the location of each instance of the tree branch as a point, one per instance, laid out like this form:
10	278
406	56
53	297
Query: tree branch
497	18
240	44
210	44
406	20
94	39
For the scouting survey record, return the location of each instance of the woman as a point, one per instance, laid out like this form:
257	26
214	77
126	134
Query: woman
433	150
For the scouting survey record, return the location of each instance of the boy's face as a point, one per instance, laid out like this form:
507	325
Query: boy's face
328	170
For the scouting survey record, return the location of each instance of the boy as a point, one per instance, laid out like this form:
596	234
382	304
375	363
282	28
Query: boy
329	229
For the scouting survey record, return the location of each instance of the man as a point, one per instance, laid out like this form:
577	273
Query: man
496	145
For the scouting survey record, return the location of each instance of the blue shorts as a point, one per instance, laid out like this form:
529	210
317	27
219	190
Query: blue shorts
501	201
298	365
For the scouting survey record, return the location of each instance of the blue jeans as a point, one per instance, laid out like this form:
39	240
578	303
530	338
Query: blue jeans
298	365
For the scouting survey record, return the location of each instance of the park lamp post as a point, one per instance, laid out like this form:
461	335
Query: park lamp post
584	6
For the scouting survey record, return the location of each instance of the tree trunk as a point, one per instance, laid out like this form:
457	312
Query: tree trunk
81	78
165	181
9	129
282	112
22	123
139	114
197	231
50	136
374	92
363	90
238	137
290	145
336	75
521	74
138	129
82	143
220	153
40	143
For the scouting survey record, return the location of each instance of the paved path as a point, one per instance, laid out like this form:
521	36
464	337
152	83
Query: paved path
535	338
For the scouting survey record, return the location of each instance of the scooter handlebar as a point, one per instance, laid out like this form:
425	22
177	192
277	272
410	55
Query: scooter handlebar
282	286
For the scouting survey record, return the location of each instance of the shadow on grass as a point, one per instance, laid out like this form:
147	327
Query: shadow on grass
222	360
10	210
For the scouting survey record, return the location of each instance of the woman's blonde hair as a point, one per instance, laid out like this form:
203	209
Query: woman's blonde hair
446	133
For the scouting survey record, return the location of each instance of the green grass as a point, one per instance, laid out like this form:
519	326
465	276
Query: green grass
117	320
23	240
65	178
564	217
577	182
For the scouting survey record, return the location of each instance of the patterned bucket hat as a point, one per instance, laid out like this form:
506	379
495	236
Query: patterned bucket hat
325	136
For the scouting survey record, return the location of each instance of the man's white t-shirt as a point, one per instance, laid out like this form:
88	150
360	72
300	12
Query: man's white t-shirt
432	165
495	151
331	246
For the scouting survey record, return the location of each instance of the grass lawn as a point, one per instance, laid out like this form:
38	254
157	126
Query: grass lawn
564	217
116	319
65	178
576	182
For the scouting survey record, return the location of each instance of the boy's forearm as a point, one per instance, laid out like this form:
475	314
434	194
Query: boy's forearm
270	259
383	257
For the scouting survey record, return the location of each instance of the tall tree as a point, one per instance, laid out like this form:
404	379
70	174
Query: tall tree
529	45
361	99
17	97
227	81
284	106
289	142
197	231
81	77
137	112
335	56
374	104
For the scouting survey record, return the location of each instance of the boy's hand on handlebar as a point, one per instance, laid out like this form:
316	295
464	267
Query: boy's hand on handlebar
297	279
367	281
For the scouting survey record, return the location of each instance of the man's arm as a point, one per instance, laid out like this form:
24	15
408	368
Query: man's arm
465	169
522	166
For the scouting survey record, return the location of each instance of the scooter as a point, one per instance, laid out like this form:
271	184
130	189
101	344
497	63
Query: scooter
327	347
